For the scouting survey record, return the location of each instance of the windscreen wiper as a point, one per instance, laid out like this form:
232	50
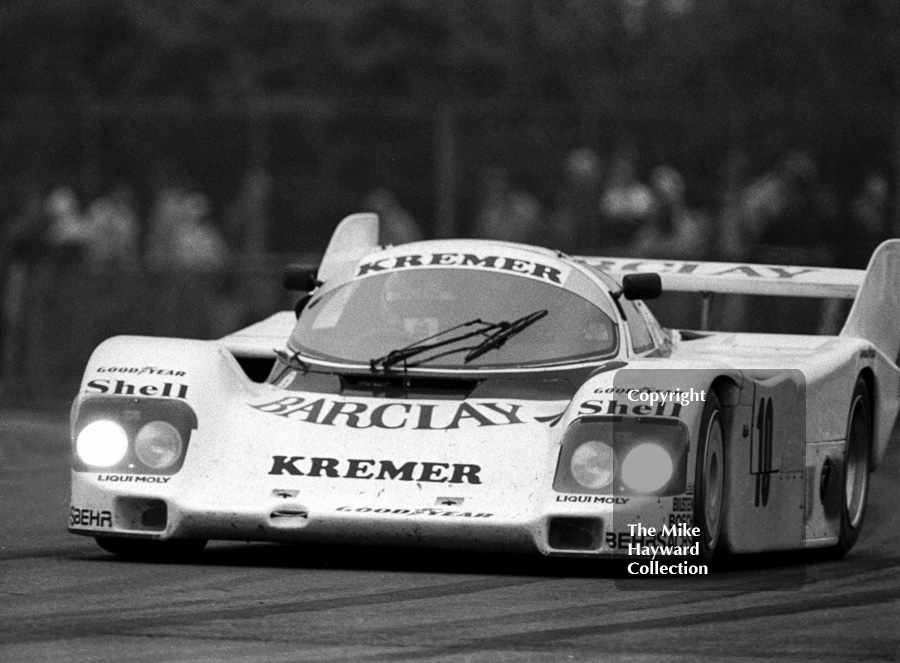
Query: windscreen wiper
507	332
407	352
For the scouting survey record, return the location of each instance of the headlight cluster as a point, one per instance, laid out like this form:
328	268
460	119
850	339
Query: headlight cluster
592	464
102	443
158	444
623	456
134	435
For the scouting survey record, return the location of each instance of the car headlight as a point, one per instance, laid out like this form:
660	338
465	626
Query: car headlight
647	467
592	465
623	456
131	435
102	443
158	445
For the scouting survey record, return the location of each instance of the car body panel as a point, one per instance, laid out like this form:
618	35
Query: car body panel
466	456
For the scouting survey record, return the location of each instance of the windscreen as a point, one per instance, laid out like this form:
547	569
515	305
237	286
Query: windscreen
368	317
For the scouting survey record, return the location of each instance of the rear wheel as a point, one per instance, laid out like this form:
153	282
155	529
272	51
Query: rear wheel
855	469
709	478
152	551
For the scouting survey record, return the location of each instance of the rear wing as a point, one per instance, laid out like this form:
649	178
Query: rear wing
875	290
739	278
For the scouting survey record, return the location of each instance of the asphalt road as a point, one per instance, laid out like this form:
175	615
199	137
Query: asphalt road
63	599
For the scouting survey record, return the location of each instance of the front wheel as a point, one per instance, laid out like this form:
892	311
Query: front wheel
152	551
855	469
709	478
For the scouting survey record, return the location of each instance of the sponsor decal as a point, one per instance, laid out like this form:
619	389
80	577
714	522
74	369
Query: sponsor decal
132	478
392	415
867	353
144	370
285	493
449	501
682	511
122	388
414	512
358	468
615	408
520	266
723	269
89	518
593	499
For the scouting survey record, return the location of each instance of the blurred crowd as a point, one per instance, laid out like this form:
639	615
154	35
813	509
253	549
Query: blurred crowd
603	206
184	254
612	205
786	215
108	234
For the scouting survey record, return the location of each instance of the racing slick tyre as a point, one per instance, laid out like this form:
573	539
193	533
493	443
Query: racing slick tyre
854	475
152	551
709	478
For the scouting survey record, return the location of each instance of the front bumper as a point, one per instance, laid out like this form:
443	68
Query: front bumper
558	526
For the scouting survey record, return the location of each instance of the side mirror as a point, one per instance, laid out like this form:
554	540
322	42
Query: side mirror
642	286
300	278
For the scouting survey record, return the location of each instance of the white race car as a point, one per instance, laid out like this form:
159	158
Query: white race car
494	396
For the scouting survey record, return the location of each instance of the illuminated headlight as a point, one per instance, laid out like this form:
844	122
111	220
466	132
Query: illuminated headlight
647	468
158	445
102	443
592	465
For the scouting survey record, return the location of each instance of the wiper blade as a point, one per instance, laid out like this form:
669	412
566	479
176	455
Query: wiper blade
507	331
402	354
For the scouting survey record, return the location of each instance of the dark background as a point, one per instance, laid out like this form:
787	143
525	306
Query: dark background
332	99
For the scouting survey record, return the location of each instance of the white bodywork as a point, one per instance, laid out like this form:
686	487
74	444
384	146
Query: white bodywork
289	461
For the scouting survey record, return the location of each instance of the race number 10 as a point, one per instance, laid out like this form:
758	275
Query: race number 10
763	464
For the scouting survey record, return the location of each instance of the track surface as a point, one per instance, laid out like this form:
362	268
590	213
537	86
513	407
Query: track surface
63	599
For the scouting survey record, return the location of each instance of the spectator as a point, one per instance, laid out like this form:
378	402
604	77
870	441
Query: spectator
22	245
112	231
183	236
796	214
200	293
247	218
577	208
69	232
735	238
868	222
396	226
165	220
672	230
200	245
626	205
794	219
505	213
734	234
